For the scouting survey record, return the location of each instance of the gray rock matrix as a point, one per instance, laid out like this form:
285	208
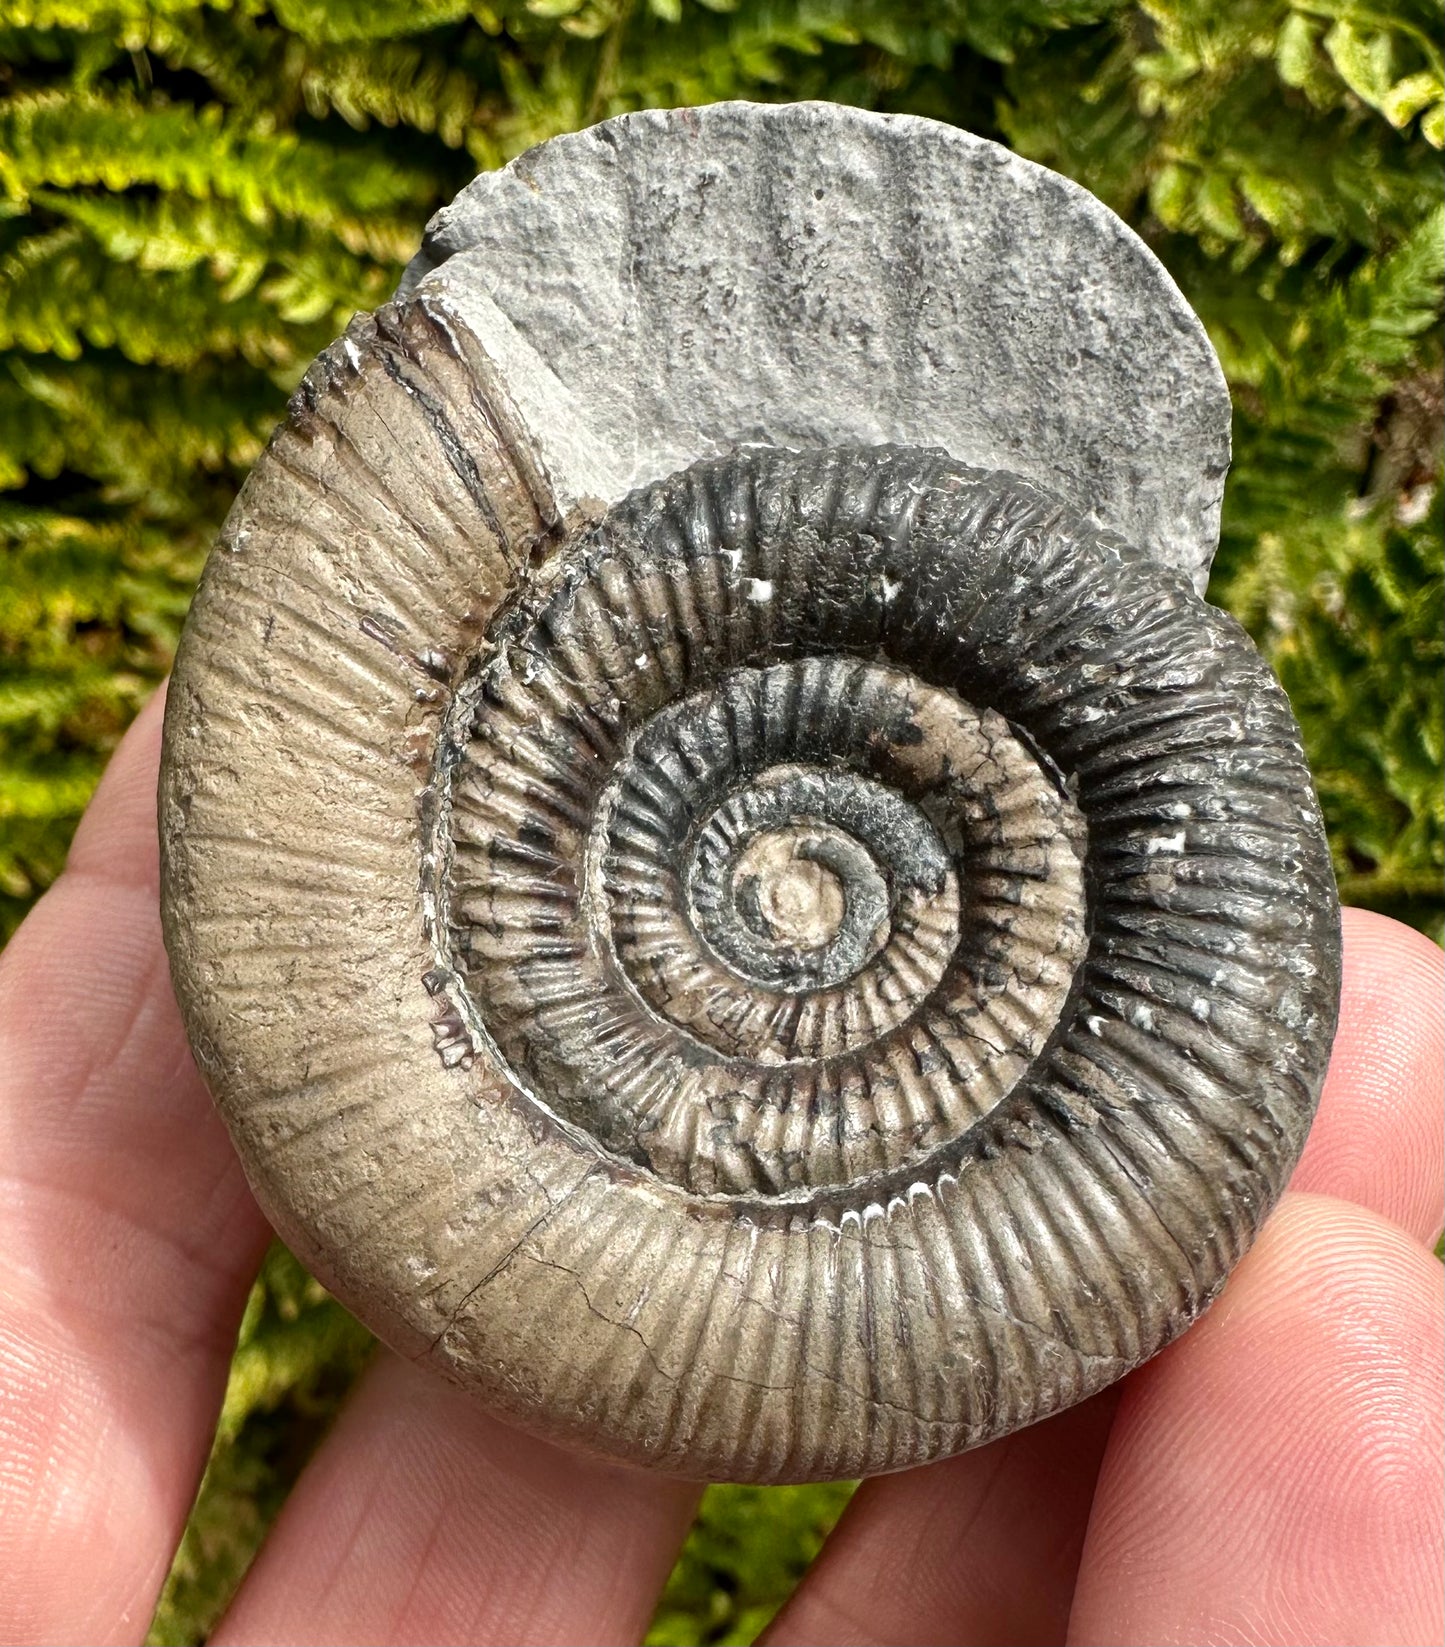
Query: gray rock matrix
732	895
811	275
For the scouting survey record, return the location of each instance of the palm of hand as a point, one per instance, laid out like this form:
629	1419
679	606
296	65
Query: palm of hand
1275	1477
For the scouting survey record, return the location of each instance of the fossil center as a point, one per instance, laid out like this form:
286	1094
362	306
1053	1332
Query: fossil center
787	893
760	916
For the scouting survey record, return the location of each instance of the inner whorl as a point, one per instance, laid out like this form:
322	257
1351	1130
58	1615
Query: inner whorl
821	821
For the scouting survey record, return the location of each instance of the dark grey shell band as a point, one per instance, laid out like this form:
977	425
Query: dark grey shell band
796	973
1039	814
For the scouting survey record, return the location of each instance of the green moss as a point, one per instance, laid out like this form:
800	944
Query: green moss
746	1552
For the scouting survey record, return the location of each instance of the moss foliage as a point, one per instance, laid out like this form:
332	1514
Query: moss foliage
195	197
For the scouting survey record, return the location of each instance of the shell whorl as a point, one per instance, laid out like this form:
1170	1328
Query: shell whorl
733	877
788	974
744	897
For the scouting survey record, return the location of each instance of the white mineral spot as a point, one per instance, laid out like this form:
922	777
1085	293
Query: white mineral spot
759	589
442	316
1415	505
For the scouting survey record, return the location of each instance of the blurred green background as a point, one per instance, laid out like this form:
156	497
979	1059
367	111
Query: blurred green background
195	197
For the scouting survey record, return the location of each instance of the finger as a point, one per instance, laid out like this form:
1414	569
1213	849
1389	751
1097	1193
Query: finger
1276	1476
1379	1137
981	1549
423	1519
127	1238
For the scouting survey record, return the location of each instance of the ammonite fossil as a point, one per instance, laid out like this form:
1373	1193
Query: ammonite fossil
732	894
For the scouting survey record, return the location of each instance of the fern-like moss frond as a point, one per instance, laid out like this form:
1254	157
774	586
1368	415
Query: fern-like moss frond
73	139
57	296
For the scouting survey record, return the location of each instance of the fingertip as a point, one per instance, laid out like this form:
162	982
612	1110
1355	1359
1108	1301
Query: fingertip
128	1237
982	1547
117	838
1379	1137
1275	1477
423	1518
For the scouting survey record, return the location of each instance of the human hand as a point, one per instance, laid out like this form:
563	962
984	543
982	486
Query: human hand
1274	1477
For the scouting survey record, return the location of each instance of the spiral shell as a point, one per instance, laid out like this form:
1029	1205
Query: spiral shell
792	974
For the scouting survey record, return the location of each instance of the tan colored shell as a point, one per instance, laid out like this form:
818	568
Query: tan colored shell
786	974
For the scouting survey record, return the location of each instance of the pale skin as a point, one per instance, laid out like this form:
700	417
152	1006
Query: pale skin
1273	1478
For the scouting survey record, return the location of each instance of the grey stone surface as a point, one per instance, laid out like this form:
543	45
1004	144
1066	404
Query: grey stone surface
788	972
806	275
